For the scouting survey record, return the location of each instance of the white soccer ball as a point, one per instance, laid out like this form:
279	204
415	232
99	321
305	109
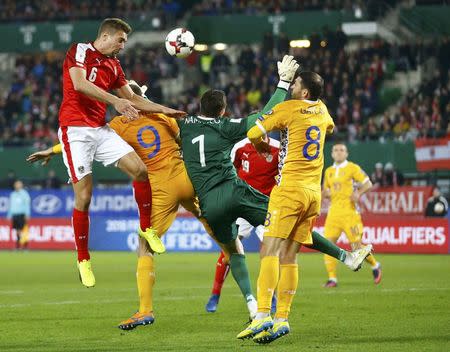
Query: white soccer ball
180	42
439	208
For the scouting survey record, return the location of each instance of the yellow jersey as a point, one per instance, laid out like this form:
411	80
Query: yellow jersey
303	125
341	181
153	137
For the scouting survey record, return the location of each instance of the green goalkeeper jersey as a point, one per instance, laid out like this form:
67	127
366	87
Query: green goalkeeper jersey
206	144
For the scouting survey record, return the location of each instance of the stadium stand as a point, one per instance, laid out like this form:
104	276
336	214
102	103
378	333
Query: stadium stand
220	7
53	10
57	10
28	111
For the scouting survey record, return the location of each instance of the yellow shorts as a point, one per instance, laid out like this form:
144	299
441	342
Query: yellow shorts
167	196
292	213
349	223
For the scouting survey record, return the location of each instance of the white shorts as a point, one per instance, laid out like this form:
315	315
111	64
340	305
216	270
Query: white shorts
82	145
245	229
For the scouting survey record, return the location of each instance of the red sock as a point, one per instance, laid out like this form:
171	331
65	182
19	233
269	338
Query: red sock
143	197
80	224
221	274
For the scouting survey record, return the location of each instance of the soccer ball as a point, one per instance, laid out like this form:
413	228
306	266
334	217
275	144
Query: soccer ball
180	42
439	208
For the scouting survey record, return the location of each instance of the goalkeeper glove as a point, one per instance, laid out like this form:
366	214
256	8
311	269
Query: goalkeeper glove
287	68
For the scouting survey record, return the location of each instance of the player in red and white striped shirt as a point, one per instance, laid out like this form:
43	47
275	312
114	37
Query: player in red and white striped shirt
259	172
90	71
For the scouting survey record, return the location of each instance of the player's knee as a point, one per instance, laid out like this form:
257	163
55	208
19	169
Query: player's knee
141	173
239	246
229	248
288	258
132	165
139	170
271	246
83	200
144	248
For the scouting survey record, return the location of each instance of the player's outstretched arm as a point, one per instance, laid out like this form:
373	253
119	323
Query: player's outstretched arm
286	70
256	137
144	104
82	85
44	155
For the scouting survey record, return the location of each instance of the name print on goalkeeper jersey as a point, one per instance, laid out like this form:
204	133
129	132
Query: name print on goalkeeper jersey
207	144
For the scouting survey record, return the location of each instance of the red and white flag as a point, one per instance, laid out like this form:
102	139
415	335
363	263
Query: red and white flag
433	154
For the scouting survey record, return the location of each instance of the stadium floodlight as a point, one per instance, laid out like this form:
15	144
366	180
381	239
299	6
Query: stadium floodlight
300	43
200	47
156	22
220	46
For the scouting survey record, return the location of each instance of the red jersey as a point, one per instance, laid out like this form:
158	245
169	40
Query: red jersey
257	171
77	109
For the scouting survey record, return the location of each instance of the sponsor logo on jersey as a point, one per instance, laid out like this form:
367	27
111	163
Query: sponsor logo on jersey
315	110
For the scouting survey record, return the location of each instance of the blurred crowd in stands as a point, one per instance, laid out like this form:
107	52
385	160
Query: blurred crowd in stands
252	7
51	181
53	10
423	112
386	176
29	109
56	10
352	83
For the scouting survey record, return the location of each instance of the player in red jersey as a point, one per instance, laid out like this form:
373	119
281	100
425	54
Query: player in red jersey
90	71
259	172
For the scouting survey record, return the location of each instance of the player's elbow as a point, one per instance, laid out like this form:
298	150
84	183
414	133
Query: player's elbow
254	134
78	86
128	95
366	186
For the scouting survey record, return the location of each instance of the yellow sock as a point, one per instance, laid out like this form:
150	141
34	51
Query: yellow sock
269	273
371	260
331	266
145	280
287	286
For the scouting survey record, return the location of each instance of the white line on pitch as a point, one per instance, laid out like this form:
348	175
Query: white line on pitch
101	301
386	290
11	292
176	298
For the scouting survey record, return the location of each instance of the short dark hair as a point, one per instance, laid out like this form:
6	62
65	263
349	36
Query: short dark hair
212	103
313	83
136	89
112	25
339	143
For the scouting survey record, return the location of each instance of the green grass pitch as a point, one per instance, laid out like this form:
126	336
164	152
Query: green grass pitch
43	306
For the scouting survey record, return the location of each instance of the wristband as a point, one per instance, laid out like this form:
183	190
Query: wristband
56	149
284	85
